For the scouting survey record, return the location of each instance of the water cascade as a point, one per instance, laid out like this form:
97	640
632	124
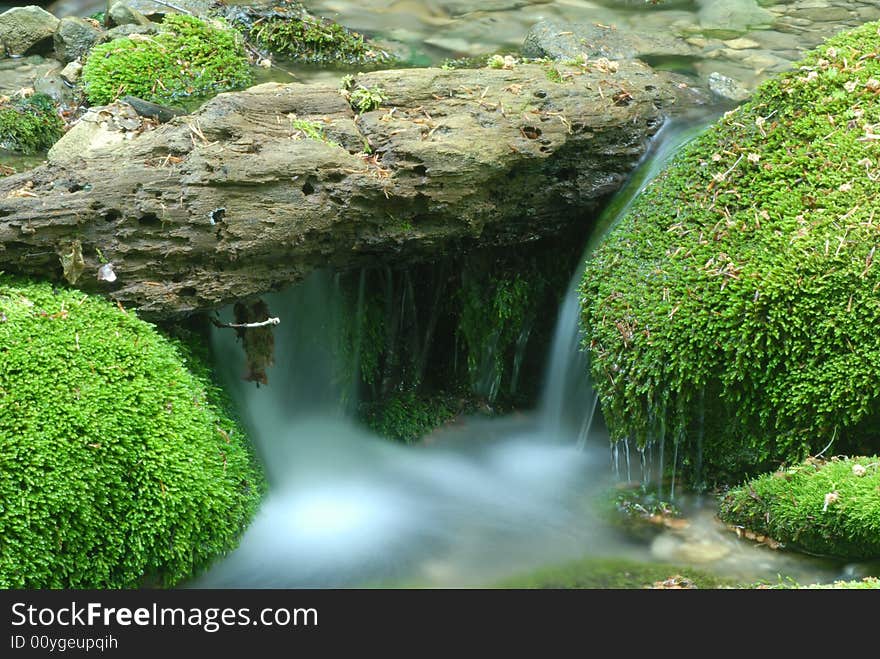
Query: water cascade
485	499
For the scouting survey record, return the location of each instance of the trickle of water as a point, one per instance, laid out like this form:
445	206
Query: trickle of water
522	341
567	383
674	469
584	433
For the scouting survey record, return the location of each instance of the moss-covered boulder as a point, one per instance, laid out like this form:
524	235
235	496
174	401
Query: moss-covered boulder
616	573
286	28
830	508
29	125
189	57
119	466
734	310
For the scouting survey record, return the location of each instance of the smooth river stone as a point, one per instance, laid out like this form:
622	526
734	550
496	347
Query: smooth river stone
741	44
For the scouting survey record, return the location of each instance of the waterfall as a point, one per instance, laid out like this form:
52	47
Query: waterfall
568	405
347	508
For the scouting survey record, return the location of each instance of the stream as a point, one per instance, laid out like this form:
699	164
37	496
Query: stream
482	500
486	499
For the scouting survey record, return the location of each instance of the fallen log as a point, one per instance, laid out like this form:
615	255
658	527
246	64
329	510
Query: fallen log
257	188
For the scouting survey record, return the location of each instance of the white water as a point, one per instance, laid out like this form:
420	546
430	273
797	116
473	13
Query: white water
347	508
481	502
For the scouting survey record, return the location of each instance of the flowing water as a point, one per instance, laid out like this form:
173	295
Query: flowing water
484	500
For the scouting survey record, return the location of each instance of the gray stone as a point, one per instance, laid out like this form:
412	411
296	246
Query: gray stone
742	44
563	42
826	14
126	30
727	87
121	14
53	85
149	8
777	41
23	29
735	15
868	13
74	38
71	72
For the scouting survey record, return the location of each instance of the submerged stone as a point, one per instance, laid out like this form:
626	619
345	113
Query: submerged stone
727	87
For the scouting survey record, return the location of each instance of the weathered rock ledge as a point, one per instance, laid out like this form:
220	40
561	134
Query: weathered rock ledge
233	201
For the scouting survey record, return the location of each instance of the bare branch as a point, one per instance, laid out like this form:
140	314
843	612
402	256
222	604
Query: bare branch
263	323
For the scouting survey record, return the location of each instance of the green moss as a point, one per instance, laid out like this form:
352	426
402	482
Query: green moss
553	74
829	508
733	311
29	125
290	30
615	573
119	467
188	58
364	99
407	416
475	62
313	130
497	312
868	583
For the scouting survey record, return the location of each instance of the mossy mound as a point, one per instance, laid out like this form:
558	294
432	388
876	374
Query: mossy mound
614	573
119	467
189	57
288	29
735	309
868	583
29	125
408	416
828	508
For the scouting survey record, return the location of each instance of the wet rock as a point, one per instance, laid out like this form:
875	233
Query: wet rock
776	42
21	73
463	7
457	168
733	15
742	43
148	8
868	13
726	87
26	29
566	42
121	14
75	37
671	547
831	14
763	62
129	29
703	551
53	85
71	72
